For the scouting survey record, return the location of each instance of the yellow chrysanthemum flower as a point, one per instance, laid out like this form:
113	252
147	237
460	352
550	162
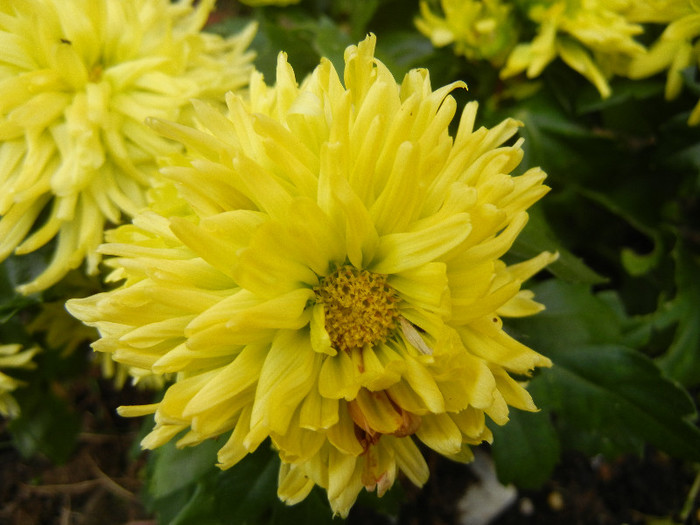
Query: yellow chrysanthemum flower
335	284
479	29
677	48
590	36
12	357
77	80
58	329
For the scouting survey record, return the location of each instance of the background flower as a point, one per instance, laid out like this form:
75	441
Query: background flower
77	80
12	356
478	29
591	37
675	50
58	330
331	280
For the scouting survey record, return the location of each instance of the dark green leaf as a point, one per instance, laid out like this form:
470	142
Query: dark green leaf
12	274
613	399
48	425
292	31
526	450
607	398
690	79
248	491
538	237
246	494
624	91
172	469
330	42
573	316
314	509
635	264
360	16
682	361
404	50
201	506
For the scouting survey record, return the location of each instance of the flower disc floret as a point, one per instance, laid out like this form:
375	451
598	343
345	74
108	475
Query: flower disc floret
359	308
330	279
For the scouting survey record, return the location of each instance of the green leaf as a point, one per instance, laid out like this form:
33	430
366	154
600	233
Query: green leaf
624	91
614	399
572	153
330	42
607	398
389	505
403	50
690	79
187	487
47	425
314	509
12	274
573	316
248	491
526	450
172	469
247	494
361	14
289	30
174	475
635	264
682	360
538	237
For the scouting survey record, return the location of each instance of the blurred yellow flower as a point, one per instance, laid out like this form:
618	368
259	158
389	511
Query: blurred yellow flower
676	49
77	80
590	36
479	29
12	356
59	330
333	280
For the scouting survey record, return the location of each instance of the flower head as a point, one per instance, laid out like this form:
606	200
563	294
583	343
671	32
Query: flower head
676	49
591	37
331	278
77	80
479	29
12	356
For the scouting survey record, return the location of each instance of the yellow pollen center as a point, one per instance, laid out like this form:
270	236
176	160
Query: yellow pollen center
359	306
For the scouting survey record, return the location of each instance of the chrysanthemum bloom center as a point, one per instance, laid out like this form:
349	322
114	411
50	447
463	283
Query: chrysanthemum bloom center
360	307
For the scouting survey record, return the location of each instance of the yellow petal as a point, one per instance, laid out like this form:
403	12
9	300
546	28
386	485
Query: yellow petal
338	377
440	433
230	380
409	459
403	251
292	484
285	380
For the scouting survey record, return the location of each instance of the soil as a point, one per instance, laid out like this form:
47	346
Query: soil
99	484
